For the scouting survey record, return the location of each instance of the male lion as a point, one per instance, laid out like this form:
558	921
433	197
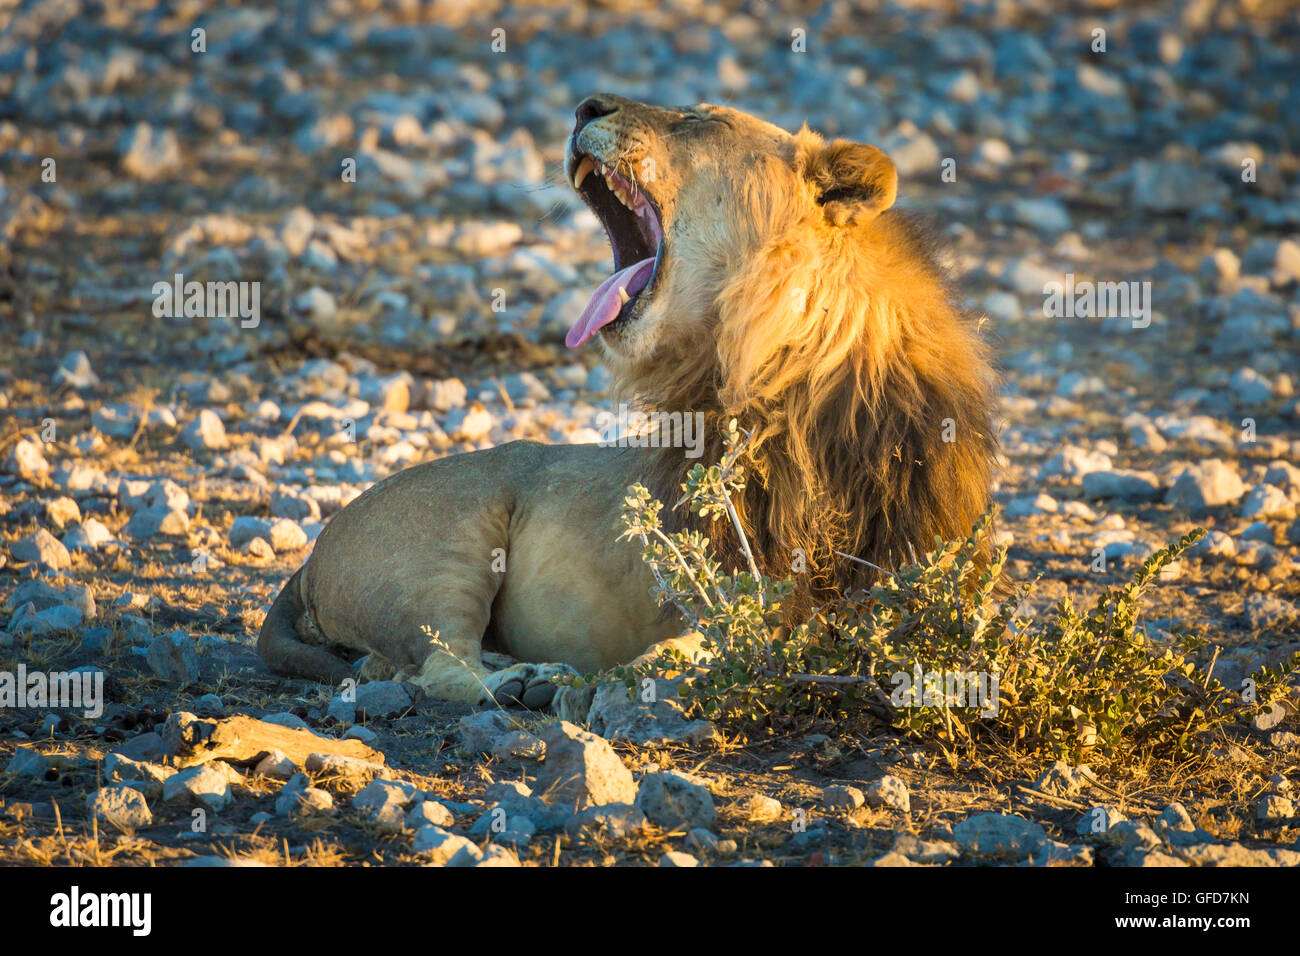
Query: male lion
758	275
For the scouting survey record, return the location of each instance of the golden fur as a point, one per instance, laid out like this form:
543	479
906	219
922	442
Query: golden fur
849	398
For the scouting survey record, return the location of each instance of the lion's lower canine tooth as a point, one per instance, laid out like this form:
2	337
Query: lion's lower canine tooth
622	294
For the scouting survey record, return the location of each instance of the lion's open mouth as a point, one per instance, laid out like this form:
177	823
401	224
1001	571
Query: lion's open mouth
636	235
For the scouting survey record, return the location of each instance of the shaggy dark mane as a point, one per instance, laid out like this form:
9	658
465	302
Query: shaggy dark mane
870	412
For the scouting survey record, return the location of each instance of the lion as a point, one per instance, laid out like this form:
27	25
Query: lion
759	275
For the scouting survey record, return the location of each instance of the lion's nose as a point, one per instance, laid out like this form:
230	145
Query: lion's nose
593	108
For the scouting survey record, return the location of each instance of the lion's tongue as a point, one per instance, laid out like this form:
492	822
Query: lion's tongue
606	303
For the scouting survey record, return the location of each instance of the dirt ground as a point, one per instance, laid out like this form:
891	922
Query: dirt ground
378	293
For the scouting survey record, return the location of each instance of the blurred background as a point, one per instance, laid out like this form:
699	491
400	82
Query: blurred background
388	176
381	186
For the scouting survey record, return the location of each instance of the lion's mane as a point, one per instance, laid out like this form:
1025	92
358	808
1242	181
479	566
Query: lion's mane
868	394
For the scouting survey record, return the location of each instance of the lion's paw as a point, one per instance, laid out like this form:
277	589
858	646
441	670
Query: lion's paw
524	685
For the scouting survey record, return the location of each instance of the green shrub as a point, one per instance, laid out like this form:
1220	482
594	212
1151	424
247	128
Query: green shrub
1068	684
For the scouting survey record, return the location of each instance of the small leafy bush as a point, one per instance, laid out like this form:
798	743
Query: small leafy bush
931	650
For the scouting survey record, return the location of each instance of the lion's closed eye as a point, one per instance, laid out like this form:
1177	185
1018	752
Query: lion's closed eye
698	120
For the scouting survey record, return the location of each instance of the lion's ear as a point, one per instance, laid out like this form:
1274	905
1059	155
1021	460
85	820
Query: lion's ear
854	182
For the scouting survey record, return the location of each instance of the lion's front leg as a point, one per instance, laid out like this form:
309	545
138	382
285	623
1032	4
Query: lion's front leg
452	667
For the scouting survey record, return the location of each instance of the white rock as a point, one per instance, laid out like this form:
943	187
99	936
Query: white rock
1077	509
62	512
304	802
157	521
1074	462
1284	475
1201	429
480	731
471	424
383	698
582	770
519	745
247	527
843	797
27	460
172	658
1221	265
445	394
1208	484
993	154
913	151
75	371
295	507
429	812
1122	483
1250	387
27	763
1275	807
1278	259
1040	504
440	846
149	152
676	858
1216	544
1062	779
1146	436
888	791
44	596
1078	385
205	432
285	535
483	239
116	420
493	855
672	800
43	549
998	835
120	805
763	809
277	766
1265	500
259	548
385	804
1176	817
62	617
204	785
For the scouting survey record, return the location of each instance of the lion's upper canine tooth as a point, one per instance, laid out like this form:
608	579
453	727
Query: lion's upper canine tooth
622	295
585	165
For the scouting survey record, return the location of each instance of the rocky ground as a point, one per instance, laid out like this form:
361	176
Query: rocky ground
389	175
